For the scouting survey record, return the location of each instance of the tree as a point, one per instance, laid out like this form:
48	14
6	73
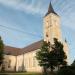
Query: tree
60	55
46	58
51	55
42	56
73	64
66	70
1	51
73	67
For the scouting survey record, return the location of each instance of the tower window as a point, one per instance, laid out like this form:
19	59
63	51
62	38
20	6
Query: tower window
46	35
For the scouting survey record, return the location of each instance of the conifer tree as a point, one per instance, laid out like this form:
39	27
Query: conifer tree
60	55
1	51
42	56
46	58
51	55
73	64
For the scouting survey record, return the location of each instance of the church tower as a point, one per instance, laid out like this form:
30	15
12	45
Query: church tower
52	28
52	25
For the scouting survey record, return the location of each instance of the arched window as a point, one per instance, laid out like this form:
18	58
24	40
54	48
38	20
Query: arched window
9	63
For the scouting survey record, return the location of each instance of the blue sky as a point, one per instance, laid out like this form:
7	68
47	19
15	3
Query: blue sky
21	21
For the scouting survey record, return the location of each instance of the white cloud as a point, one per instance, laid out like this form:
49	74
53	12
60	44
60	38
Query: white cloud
34	7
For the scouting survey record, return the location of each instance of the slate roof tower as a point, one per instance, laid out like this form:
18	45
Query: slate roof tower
52	28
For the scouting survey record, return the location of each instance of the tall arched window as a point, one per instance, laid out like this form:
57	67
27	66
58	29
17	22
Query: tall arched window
9	63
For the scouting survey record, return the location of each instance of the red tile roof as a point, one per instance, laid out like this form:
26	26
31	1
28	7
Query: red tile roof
32	47
11	50
18	51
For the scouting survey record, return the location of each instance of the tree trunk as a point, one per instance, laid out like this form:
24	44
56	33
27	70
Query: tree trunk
51	70
58	67
44	71
51	73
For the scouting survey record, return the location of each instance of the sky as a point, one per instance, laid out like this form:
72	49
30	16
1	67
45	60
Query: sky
21	21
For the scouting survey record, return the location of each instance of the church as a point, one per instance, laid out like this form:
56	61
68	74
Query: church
23	59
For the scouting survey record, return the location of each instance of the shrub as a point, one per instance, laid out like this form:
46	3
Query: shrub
67	70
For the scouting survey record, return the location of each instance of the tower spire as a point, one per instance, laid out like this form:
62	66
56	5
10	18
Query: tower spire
50	10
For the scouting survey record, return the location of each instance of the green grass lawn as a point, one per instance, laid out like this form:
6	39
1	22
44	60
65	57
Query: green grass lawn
20	74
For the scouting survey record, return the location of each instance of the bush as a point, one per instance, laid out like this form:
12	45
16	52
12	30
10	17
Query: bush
67	70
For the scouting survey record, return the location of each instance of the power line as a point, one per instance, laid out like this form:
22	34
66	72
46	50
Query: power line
28	33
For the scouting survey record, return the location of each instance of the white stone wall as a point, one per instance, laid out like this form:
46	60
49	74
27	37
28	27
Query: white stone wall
19	63
28	62
52	27
25	62
31	63
9	62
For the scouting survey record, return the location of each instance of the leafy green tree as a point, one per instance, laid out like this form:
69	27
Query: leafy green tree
42	56
60	55
46	58
51	56
73	64
64	71
73	67
1	51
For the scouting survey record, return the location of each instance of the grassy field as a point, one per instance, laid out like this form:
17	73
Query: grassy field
20	74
